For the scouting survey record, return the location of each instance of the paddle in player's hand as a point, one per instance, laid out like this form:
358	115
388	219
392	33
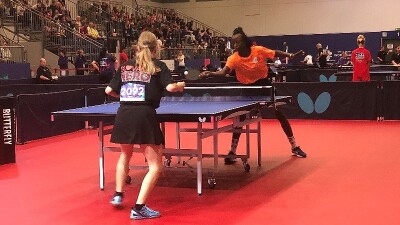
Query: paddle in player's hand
193	75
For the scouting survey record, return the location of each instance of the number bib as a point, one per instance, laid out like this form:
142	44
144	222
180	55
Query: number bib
132	92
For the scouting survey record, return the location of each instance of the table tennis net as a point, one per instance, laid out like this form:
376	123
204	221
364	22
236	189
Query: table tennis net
228	92
210	98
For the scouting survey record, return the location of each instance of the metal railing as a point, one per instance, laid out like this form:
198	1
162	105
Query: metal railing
11	51
12	54
190	53
196	23
54	35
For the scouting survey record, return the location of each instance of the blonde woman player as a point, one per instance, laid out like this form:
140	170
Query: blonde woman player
139	84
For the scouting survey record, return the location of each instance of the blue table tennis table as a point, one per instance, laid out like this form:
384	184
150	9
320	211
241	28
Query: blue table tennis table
195	111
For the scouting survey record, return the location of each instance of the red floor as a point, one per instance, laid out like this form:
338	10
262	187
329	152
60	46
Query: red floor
351	177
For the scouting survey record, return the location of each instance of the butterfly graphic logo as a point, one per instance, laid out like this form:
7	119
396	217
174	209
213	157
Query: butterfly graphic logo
323	78
308	106
202	120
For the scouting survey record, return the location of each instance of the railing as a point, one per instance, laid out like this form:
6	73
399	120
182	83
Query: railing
12	54
54	35
196	23
190	53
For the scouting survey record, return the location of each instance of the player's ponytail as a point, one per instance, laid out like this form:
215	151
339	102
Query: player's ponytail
147	44
245	39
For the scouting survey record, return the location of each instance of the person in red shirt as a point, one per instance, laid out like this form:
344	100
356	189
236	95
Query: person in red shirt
249	63
123	57
361	59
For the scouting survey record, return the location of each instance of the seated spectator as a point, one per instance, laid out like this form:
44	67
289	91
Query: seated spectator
84	29
344	60
308	60
92	31
43	73
396	57
5	52
78	21
389	56
382	56
277	62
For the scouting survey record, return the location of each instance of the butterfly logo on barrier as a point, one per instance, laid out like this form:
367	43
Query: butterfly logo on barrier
323	78
202	120
308	106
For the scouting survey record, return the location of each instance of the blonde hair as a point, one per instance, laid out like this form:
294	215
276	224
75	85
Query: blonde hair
147	44
361	37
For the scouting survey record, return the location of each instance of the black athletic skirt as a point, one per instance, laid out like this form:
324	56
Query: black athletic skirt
136	124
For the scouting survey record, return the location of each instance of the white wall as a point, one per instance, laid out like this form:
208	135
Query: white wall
285	17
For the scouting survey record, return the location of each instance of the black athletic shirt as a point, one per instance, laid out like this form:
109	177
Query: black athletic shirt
136	87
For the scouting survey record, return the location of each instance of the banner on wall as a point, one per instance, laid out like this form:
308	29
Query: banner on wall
391	100
330	100
7	124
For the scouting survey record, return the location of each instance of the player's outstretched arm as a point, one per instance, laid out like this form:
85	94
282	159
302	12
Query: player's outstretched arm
175	87
226	70
287	54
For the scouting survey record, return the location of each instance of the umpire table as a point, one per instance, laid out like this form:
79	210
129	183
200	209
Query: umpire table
196	107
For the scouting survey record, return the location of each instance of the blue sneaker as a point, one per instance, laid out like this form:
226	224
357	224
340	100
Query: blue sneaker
116	200
144	213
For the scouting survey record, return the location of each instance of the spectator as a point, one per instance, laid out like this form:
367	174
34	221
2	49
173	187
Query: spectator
63	63
389	56
127	33
123	57
344	60
80	62
5	52
105	66
78	22
134	50
92	31
396	57
382	56
308	60
180	59
43	73
321	56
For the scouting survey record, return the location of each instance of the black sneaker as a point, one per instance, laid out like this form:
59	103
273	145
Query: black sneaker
230	161
298	152
144	213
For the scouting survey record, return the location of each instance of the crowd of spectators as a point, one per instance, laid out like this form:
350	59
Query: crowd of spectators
102	23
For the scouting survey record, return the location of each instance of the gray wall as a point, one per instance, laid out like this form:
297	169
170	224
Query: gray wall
284	17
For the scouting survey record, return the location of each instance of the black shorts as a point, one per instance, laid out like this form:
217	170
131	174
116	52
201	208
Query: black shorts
137	124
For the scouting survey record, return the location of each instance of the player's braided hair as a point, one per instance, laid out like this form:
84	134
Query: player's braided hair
246	39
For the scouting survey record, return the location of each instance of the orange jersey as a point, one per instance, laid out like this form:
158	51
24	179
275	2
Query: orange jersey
252	68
